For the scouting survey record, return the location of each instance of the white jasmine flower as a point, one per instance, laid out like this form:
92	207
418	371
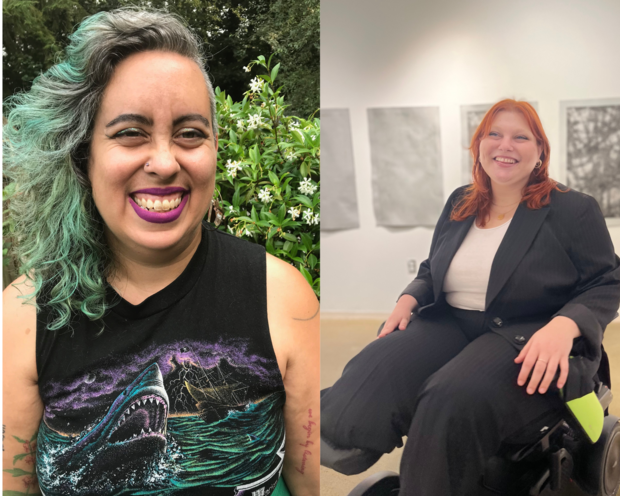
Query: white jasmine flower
307	188
256	85
264	195
233	167
316	219
294	212
254	121
290	155
247	233
293	125
246	69
240	125
262	105
307	215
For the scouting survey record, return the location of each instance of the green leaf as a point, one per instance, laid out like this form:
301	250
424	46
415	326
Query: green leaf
20	440
236	198
297	136
294	250
273	178
306	274
290	237
281	214
306	240
287	246
304	200
254	214
17	472
274	72
312	260
303	170
233	136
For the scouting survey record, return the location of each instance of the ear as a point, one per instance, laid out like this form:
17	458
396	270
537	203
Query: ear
540	150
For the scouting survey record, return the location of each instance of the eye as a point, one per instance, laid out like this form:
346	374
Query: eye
190	137
130	137
522	137
493	133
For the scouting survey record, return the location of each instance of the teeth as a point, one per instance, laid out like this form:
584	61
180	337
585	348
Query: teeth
150	430
133	407
505	160
142	431
151	400
157	205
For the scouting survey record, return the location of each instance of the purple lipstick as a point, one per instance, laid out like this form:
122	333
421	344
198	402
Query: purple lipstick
159	217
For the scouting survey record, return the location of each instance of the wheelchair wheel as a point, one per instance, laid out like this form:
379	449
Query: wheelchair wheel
600	463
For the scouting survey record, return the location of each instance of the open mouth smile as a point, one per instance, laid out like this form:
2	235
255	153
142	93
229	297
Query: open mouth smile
505	161
159	205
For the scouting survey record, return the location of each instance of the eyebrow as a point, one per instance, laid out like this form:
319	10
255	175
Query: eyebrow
191	117
130	118
141	119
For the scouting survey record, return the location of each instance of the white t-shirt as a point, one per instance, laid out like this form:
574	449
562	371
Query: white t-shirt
468	276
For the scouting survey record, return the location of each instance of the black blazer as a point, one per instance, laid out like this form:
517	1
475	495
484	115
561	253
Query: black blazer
558	260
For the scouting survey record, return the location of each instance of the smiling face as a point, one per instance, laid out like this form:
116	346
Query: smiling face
509	152
155	110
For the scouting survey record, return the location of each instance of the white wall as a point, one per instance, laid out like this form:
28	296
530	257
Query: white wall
447	53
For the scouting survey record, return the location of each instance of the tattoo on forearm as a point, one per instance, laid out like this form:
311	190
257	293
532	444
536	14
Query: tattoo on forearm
307	452
28	458
313	316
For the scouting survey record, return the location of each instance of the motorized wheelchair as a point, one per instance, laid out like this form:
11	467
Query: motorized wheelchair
579	455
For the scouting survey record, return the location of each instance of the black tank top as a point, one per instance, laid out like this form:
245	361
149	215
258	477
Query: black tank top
179	395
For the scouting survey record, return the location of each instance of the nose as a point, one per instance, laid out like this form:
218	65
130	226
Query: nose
163	162
505	143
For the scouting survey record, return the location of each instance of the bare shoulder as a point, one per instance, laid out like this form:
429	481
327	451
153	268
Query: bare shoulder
292	309
288	289
19	324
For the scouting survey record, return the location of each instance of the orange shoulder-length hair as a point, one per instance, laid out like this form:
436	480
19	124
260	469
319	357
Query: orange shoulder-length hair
477	198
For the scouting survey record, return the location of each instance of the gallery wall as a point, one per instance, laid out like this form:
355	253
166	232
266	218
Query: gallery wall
446	54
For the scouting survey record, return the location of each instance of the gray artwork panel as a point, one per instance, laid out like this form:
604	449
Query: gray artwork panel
338	196
591	151
471	117
406	166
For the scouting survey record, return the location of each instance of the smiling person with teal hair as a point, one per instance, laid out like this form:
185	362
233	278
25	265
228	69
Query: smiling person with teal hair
144	351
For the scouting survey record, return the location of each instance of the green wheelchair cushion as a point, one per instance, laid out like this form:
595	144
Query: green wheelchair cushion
589	413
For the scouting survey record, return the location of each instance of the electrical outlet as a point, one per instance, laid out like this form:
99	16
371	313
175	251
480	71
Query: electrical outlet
412	266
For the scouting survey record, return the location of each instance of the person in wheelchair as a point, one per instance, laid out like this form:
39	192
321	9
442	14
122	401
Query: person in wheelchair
521	275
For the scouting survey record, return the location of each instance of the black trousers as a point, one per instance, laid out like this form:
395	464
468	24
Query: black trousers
447	383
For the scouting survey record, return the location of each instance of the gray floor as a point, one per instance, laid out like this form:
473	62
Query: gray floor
342	338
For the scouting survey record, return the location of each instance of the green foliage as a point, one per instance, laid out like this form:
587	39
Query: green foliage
234	31
268	173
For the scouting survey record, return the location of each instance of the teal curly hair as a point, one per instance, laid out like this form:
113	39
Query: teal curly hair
60	243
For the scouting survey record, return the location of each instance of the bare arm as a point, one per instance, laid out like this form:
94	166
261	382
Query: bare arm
293	312
22	406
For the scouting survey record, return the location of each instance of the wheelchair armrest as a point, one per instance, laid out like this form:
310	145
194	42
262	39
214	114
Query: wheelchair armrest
604	395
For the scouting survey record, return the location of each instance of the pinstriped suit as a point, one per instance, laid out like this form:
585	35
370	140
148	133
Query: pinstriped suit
456	397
